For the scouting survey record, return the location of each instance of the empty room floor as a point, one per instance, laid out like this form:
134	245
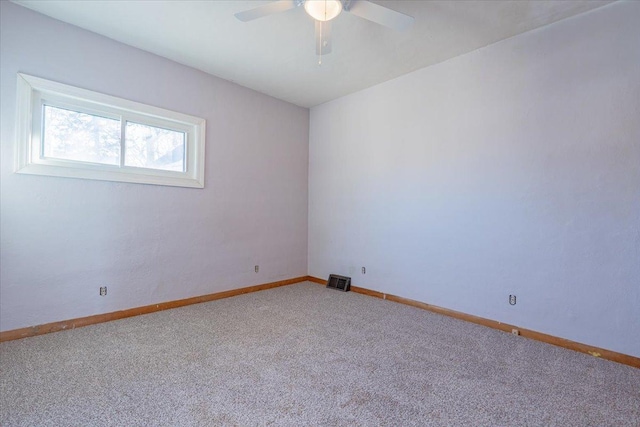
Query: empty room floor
306	355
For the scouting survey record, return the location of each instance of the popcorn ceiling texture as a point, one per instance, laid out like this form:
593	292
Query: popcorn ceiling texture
306	355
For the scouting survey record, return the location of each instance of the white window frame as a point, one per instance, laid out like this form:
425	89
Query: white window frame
34	92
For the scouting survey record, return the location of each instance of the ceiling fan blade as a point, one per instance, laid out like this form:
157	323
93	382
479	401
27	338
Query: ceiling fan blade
267	9
323	37
380	14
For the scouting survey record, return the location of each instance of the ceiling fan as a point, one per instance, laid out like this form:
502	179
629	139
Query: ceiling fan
323	11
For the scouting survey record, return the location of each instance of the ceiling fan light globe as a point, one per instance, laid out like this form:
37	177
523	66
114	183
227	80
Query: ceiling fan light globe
323	10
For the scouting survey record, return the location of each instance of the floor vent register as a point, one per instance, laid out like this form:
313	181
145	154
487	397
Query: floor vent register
340	283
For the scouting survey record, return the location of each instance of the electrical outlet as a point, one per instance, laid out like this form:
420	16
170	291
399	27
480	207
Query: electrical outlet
364	270
512	299
257	268
103	291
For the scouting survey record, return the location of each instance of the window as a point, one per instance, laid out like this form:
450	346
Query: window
71	132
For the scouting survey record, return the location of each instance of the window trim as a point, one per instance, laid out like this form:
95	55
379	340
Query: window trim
33	92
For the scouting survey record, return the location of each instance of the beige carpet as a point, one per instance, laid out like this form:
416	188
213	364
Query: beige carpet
305	355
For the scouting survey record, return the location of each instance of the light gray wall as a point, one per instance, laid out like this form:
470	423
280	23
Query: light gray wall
63	238
514	169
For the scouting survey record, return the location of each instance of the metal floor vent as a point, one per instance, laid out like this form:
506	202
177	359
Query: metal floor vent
340	283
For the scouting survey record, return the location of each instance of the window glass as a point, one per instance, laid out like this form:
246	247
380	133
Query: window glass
70	135
154	148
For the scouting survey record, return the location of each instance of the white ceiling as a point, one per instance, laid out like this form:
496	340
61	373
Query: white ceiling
276	54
